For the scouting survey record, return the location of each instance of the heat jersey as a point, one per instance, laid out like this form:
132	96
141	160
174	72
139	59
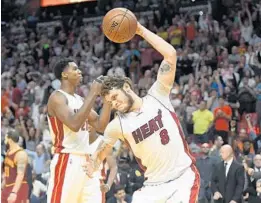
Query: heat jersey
156	138
92	149
64	139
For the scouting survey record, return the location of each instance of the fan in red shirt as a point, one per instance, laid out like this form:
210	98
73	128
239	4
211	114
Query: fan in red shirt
222	116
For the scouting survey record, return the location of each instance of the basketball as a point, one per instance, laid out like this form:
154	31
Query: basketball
119	25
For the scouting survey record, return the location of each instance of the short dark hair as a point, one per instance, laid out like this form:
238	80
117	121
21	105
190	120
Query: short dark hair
118	188
13	135
222	97
60	66
111	82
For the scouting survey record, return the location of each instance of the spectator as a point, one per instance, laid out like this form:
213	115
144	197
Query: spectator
222	116
40	159
246	28
258	103
255	172
136	179
205	166
38	189
246	154
228	178
202	120
239	143
214	152
120	196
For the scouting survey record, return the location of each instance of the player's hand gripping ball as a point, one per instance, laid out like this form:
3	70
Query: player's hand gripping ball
119	25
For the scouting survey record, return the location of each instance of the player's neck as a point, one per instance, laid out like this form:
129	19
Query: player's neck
68	88
137	104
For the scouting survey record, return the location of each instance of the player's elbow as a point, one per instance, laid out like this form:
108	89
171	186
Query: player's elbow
74	128
171	56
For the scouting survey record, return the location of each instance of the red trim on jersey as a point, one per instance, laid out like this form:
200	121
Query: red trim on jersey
59	175
194	191
196	185
57	127
103	172
144	168
103	193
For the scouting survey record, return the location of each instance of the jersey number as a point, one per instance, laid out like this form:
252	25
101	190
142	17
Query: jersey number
164	136
7	171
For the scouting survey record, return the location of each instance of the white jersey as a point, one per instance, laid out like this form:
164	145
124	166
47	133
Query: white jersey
64	139
92	149
156	138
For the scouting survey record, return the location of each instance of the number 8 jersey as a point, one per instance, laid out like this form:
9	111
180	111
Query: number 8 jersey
156	138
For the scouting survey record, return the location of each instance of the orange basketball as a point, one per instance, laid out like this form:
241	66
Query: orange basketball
119	25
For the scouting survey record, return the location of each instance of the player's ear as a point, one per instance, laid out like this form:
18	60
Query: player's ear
64	75
126	87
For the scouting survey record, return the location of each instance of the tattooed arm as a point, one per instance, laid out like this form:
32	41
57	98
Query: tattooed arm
21	162
167	70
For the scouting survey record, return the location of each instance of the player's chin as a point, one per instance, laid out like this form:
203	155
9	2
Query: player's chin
79	81
119	109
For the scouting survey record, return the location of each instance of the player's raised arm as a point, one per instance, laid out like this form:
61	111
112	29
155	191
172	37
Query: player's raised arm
100	122
167	70
57	106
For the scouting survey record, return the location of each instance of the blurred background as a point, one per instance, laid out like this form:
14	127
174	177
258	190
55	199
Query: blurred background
218	47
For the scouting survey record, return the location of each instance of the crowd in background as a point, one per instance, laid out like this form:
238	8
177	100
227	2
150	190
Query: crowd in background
217	91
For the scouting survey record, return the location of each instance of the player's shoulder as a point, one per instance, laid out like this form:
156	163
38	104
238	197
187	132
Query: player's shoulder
114	126
21	155
158	89
57	97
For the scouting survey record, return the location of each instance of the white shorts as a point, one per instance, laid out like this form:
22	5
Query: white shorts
185	189
68	182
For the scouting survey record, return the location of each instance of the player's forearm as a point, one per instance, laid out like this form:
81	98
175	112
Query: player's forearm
112	175
102	152
18	182
105	116
163	47
80	117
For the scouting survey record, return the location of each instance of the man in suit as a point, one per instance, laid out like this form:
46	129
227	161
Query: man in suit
227	182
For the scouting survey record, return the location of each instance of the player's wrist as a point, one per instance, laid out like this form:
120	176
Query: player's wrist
15	193
140	30
94	93
108	186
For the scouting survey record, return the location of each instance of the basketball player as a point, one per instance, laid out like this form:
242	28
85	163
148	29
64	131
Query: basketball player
95	141
68	114
151	128
15	189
